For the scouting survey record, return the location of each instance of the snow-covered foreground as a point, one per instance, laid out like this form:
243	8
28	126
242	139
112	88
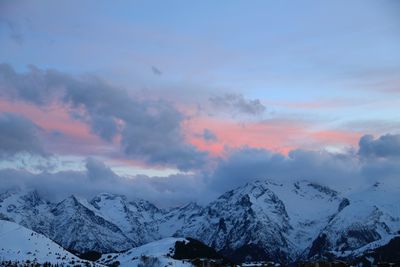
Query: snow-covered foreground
20	244
160	252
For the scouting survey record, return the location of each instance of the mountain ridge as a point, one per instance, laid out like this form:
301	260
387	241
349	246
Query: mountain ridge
261	220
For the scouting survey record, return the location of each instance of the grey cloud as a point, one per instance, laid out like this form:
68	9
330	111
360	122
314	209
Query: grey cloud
338	171
13	29
385	146
150	130
18	135
98	171
209	135
156	71
98	178
33	86
248	164
380	170
380	156
238	104
15	33
104	126
376	160
162	127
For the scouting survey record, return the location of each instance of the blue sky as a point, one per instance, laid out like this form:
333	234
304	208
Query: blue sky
302	51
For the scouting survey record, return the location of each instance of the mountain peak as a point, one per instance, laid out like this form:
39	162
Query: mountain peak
263	219
191	206
33	198
110	196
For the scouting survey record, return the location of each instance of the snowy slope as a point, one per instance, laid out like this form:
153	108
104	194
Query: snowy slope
69	223
79	229
159	251
370	220
132	217
18	243
26	208
175	220
309	208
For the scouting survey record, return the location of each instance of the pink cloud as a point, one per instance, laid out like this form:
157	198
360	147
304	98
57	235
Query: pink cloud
276	135
273	135
56	119
279	135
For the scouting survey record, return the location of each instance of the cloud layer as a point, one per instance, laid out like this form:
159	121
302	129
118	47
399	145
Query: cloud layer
344	171
386	146
98	178
149	131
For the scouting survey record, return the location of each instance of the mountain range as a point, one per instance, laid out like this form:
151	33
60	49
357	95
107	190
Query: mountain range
262	220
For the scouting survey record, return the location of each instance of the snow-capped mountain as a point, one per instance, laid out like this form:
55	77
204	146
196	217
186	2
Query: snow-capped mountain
370	219
64	222
19	244
132	217
260	220
79	228
265	219
27	209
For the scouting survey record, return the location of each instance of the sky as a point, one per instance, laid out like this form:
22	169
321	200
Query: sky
178	101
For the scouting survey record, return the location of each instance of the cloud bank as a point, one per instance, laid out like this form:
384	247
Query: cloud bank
386	146
345	171
149	131
98	178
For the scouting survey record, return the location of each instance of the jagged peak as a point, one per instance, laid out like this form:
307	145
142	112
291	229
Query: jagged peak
142	204
29	197
251	188
72	200
110	196
324	189
9	192
33	196
191	206
107	197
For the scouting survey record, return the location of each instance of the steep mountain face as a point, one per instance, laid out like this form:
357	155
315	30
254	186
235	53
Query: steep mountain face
69	223
134	218
27	209
265	220
260	220
250	215
176	220
78	228
369	220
